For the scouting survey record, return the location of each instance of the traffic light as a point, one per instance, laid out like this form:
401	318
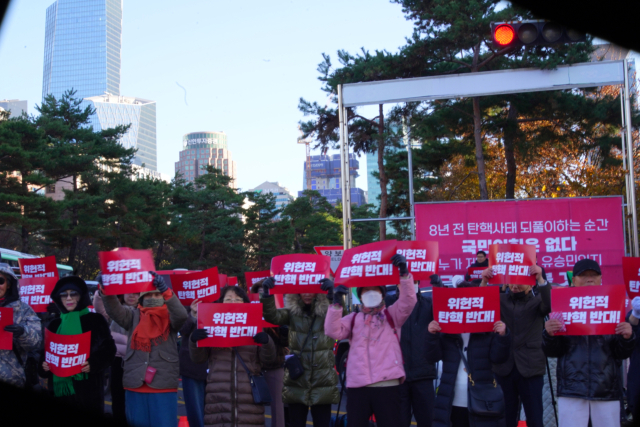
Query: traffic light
532	33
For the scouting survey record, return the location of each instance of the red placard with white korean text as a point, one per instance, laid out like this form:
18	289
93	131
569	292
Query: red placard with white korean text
6	319
368	265
229	325
279	299
299	273
203	285
466	309
422	258
36	292
590	310
65	354
223	280
333	252
232	281
631	274
253	277
510	264
38	267
475	273
126	271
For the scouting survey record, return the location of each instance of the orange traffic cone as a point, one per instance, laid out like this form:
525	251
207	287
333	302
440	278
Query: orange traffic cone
522	424
183	422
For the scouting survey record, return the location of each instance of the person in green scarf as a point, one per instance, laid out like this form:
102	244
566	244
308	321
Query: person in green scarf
85	389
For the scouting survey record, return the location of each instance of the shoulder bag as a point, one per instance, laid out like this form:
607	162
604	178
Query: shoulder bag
484	399
259	387
293	362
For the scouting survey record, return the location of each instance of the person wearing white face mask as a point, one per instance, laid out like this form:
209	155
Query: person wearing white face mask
376	369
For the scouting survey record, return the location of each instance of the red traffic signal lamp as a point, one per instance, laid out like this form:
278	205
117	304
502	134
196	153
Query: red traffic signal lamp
532	33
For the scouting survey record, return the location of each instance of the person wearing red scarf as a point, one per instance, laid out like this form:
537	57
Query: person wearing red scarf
151	367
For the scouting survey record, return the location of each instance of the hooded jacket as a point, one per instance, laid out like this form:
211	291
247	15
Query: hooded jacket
11	368
319	383
89	393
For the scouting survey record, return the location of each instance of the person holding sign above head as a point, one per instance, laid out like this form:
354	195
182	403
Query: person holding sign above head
85	389
522	375
588	366
468	394
228	396
151	367
25	327
375	365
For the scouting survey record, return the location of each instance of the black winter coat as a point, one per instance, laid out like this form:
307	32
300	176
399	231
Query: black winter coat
196	371
483	350
414	341
633	377
589	366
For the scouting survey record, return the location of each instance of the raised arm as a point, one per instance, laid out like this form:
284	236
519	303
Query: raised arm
273	315
336	326
177	313
401	310
123	316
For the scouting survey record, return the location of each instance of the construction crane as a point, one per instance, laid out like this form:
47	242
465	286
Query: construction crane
307	143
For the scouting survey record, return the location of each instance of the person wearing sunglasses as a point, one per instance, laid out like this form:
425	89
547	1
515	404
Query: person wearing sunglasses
27	333
85	389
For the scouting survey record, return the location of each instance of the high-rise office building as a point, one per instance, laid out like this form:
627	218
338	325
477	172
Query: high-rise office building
325	178
282	194
201	149
15	106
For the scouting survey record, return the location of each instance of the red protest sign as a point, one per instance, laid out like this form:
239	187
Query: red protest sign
333	252
466	309
36	292
631	274
299	273
229	325
590	310
6	319
38	267
126	271
422	258
223	280
475	272
368	265
202	285
279	299
232	281
253	277
65	354
510	264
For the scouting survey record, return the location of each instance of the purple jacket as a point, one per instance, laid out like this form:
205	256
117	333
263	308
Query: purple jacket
374	348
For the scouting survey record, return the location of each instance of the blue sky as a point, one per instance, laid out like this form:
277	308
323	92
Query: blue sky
244	66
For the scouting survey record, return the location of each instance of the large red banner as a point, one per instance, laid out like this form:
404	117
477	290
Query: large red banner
562	230
229	325
36	292
299	273
203	285
466	309
510	264
253	277
631	273
65	354
368	265
38	267
590	310
422	258
6	319
279	299
126	271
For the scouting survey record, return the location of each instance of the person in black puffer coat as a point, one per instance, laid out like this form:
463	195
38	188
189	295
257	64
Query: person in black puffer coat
481	351
417	394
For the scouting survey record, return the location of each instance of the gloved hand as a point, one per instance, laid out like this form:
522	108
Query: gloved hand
158	282
100	284
400	262
339	293
327	285
17	330
198	334
261	338
267	284
436	281
635	303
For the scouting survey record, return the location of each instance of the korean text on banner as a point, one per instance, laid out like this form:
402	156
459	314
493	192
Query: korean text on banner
253	277
422	258
6	319
65	354
279	300
590	310
333	252
38	267
368	265
126	272
475	273
510	264
229	325
203	285
466	309
631	274
36	292
299	273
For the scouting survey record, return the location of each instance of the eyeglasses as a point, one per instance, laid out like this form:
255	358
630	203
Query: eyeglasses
233	300
70	294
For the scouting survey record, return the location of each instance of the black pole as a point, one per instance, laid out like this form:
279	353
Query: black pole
553	399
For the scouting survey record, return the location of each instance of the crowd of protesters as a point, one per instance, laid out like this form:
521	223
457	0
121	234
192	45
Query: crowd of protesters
396	351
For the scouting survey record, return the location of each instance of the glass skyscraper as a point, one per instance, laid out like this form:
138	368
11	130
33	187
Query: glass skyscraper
83	39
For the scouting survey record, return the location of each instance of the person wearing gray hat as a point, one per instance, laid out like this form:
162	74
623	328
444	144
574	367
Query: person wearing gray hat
27	333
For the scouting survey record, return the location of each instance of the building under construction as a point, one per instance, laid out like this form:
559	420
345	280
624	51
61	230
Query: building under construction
322	173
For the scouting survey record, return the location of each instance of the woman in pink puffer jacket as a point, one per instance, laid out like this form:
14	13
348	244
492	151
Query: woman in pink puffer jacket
374	369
